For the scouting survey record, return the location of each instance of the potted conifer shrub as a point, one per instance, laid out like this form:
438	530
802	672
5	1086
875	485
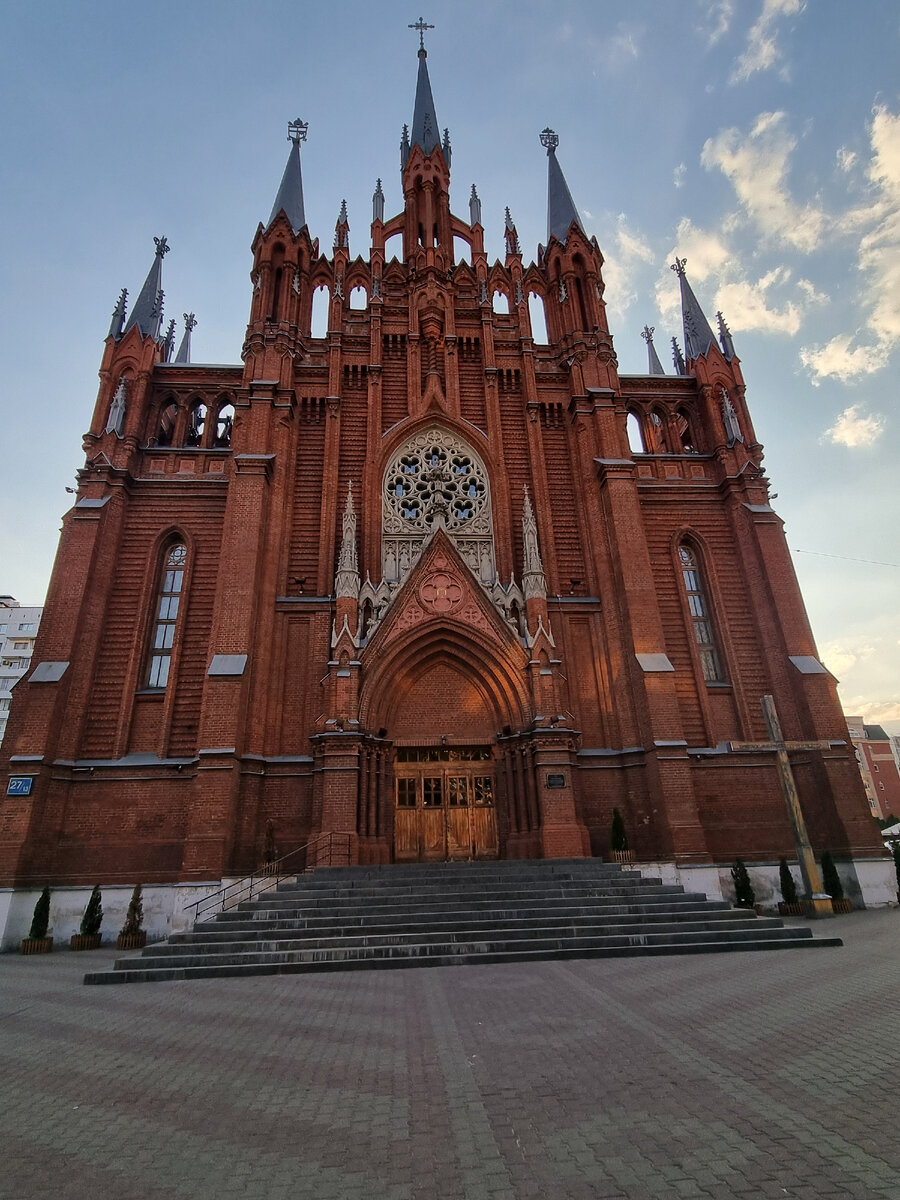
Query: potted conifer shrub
37	941
89	936
789	905
833	886
744	895
619	840
895	851
133	936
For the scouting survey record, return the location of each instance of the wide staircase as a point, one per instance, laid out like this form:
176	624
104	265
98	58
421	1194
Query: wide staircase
448	914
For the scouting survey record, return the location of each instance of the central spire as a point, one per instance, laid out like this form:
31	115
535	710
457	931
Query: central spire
561	210
290	193
425	128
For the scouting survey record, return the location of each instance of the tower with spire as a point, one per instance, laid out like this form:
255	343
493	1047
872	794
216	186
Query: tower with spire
430	579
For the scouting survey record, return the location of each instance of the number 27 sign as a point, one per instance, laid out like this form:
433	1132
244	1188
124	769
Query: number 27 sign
20	785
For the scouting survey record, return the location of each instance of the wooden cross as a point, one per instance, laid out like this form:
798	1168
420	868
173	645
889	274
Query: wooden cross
819	901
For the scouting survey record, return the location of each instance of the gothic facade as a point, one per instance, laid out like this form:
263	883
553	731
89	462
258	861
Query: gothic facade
435	583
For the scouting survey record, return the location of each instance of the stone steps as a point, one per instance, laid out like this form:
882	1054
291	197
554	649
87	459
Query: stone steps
450	914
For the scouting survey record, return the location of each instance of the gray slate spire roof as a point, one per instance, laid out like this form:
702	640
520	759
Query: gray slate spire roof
147	312
561	210
184	350
290	193
698	337
655	366
425	132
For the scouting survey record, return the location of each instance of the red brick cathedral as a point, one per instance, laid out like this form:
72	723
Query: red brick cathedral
438	582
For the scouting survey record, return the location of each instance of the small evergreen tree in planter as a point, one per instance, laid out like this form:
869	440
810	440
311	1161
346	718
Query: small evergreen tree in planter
790	905
895	850
133	936
744	895
89	936
833	886
619	839
37	941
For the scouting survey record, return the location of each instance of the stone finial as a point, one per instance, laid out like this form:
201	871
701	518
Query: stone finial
378	202
346	582
534	583
118	315
474	208
116	422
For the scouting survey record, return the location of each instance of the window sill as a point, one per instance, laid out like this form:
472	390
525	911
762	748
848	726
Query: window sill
719	685
150	693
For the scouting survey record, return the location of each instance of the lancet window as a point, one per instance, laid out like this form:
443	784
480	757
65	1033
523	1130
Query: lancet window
436	481
701	621
165	618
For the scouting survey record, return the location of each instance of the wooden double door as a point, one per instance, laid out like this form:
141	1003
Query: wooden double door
444	804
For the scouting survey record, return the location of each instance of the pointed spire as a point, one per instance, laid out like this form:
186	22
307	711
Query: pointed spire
378	202
474	208
290	193
446	149
678	358
346	580
342	229
725	337
404	146
561	210
698	337
425	128
534	583
118	316
146	315
184	350
655	366
512	237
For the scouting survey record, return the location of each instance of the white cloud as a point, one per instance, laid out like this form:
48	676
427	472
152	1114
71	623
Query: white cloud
747	305
762	51
678	175
717	19
809	290
837	360
629	250
846	159
847	357
842	654
756	164
852	429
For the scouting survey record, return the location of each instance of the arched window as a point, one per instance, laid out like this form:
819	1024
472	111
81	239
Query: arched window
462	251
321	302
698	607
359	301
165	616
538	318
635	436
167	419
196	425
224	426
656	432
685	432
500	304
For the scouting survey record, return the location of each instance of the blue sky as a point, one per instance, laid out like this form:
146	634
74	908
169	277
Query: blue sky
758	138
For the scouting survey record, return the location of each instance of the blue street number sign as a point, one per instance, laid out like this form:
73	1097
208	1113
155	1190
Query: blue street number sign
20	785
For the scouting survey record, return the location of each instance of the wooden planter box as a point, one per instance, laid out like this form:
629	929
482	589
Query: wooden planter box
37	945
791	910
842	906
85	941
623	856
132	941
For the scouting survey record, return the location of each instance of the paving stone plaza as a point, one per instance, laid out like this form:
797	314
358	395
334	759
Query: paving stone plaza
744	1074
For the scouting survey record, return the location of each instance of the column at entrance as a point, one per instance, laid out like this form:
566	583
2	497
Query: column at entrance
563	835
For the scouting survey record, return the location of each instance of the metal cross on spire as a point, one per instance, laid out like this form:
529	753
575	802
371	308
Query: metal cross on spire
420	26
297	131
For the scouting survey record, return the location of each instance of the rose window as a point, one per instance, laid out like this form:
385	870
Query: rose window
435	481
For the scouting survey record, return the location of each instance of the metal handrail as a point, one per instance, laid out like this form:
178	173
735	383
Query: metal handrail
319	852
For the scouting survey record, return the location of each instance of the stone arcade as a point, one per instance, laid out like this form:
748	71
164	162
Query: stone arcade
429	582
